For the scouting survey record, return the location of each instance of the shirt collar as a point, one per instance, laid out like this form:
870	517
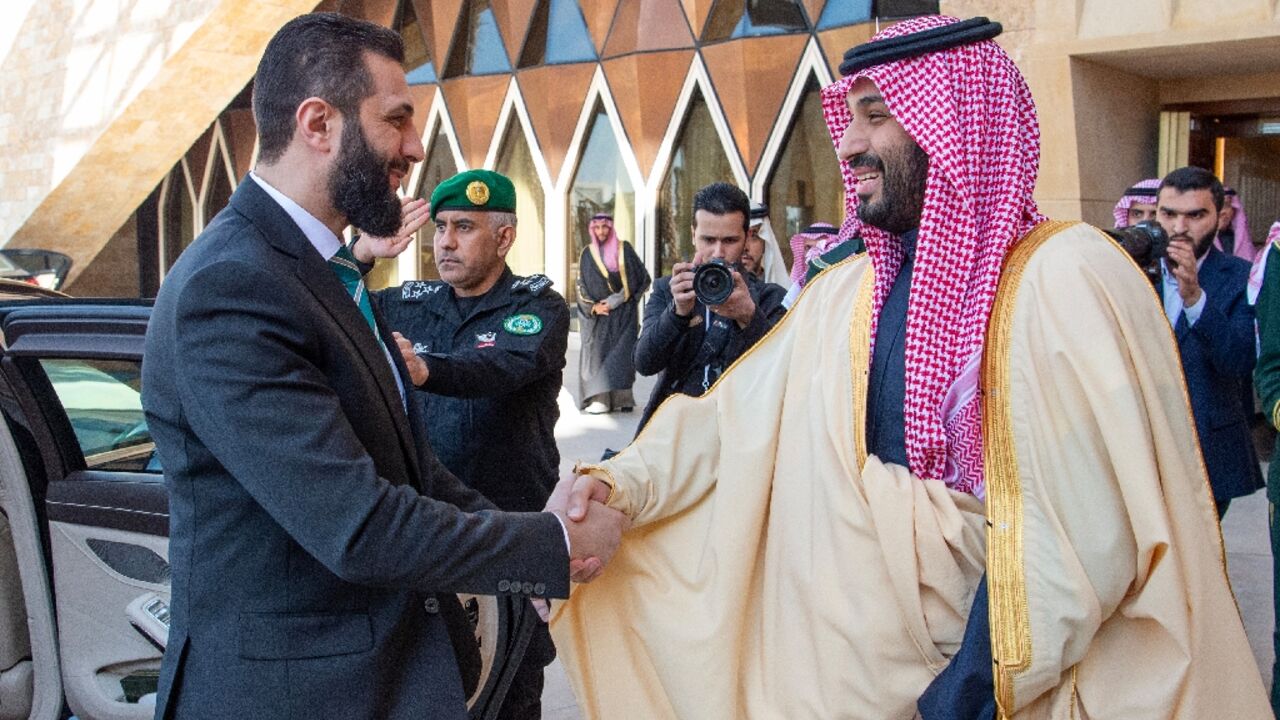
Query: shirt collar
316	232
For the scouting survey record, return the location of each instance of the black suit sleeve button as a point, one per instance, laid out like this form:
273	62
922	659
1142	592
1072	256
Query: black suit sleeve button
539	588
432	605
503	586
528	588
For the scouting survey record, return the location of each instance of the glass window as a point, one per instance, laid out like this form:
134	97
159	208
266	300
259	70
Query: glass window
515	160
601	184
218	186
438	168
477	47
558	34
698	160
419	70
103	401
178	215
805	186
750	18
839	13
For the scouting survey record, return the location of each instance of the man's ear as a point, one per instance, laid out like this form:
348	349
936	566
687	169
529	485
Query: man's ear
506	238
318	124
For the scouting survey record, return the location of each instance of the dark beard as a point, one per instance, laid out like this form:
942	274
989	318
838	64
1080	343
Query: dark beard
358	186
903	198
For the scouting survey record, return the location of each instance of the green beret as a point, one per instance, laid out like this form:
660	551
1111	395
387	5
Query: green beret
483	190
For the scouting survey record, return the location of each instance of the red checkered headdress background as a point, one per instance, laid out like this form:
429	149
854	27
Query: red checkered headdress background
971	112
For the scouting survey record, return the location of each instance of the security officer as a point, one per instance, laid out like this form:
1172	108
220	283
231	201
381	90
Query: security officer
486	348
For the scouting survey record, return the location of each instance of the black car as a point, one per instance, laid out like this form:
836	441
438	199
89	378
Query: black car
84	576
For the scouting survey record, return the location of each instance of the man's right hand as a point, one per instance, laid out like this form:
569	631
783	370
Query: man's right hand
682	286
595	529
414	213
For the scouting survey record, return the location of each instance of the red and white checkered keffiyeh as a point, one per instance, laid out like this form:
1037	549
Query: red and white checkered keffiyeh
1121	210
971	112
1243	247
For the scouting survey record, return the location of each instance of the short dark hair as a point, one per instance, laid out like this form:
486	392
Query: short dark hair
315	55
723	198
1195	178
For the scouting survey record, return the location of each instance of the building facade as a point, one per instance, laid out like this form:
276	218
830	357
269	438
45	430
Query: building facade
620	106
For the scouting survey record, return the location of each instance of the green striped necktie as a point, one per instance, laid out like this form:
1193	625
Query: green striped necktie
343	264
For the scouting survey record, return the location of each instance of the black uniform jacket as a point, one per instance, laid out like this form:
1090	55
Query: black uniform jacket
689	356
490	398
302	534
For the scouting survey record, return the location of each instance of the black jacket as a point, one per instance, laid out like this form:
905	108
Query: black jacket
689	357
490	398
301	533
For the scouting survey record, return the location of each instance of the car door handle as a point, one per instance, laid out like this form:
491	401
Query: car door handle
149	615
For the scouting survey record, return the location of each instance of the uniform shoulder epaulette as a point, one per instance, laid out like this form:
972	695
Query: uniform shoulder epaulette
532	284
420	289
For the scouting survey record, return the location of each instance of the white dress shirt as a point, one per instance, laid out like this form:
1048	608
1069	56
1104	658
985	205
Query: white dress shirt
326	243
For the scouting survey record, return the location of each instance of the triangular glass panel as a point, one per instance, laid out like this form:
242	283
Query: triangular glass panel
477	47
418	67
698	160
839	13
557	35
732	19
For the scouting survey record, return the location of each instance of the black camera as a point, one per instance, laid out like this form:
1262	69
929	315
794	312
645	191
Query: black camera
1146	243
713	282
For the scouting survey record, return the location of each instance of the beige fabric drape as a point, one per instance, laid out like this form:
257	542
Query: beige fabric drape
775	572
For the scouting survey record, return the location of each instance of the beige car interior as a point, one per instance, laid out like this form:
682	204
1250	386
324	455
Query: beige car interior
30	682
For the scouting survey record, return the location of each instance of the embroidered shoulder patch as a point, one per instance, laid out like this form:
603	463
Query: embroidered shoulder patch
533	284
523	324
417	289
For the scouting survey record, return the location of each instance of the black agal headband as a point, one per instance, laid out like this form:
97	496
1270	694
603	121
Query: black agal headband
1141	192
878	52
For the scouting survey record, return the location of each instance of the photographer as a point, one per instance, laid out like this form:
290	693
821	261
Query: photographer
691	342
1203	290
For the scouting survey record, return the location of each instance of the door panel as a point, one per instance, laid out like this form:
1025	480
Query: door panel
105	658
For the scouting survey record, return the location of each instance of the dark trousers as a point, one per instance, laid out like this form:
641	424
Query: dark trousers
524	698
1275	591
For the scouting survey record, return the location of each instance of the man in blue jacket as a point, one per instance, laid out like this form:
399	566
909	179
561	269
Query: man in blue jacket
1203	291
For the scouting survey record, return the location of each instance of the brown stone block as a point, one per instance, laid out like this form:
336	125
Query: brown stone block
751	77
834	42
645	25
645	89
513	21
554	95
599	16
474	104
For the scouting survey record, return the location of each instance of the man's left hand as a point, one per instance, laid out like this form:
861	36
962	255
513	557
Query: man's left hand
418	372
739	307
414	213
1182	255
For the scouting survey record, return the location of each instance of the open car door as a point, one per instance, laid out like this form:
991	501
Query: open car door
71	371
84	523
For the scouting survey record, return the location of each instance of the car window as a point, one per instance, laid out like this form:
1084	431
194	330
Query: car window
103	400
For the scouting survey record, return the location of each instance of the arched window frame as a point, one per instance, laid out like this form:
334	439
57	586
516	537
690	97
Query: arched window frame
699	78
599	91
812	64
514	110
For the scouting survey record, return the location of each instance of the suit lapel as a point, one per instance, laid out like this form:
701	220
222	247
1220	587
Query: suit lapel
314	274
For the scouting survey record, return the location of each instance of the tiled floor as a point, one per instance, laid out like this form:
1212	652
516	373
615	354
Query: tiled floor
583	437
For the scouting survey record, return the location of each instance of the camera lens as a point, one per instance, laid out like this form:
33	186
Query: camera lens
712	282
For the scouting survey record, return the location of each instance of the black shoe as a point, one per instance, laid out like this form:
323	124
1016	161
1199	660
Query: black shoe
626	409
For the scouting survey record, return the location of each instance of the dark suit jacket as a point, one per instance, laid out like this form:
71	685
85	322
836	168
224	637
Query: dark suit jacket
1218	355
681	348
301	541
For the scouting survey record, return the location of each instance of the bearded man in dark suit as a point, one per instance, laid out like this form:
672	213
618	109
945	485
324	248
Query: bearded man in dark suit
313	536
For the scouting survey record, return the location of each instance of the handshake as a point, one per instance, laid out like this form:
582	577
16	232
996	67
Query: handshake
594	528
